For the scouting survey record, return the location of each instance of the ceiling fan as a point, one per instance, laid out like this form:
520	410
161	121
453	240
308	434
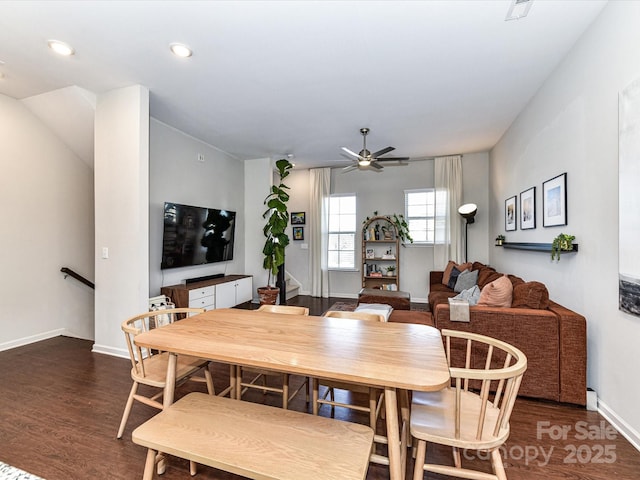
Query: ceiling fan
365	160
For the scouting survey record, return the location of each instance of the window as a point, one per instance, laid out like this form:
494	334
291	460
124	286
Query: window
342	232
426	222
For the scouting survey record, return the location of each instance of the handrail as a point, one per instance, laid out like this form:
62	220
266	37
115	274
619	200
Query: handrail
77	276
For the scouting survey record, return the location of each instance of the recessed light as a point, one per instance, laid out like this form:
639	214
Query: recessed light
61	48
180	50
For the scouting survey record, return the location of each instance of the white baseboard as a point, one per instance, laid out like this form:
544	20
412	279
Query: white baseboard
106	350
626	430
343	295
19	342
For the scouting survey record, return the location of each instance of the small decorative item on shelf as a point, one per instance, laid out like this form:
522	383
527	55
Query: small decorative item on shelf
370	253
562	243
402	227
375	274
391	270
499	240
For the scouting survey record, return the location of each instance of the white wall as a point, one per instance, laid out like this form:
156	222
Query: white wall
121	172
176	175
258	180
571	126
384	192
47	197
297	257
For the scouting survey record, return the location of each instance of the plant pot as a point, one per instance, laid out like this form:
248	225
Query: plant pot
268	295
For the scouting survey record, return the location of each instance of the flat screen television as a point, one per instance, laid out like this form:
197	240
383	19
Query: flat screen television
196	235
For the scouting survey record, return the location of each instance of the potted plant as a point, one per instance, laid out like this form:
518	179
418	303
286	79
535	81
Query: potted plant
390	270
277	239
562	243
499	240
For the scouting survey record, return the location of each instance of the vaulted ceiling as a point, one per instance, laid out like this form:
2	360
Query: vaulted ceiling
269	78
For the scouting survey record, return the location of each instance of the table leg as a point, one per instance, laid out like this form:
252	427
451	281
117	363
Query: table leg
393	434
405	412
167	400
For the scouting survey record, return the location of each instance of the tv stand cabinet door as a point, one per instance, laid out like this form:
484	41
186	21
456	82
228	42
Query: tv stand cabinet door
226	295
244	290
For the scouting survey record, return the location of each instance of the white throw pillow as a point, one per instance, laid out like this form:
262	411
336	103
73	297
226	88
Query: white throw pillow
376	308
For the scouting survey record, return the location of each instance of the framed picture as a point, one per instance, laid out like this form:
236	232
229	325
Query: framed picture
297	218
528	209
510	214
554	201
370	253
298	233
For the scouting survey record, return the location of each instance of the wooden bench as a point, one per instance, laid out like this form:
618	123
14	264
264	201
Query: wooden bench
256	441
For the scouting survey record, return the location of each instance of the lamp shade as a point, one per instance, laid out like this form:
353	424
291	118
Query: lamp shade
468	211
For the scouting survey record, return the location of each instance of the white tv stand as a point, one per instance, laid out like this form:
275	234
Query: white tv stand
222	292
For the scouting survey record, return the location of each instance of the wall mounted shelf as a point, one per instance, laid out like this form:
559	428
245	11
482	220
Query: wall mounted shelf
536	247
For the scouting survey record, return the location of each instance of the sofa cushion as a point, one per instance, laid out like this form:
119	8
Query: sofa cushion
436	298
515	280
530	295
453	278
478	266
498	293
446	276
487	275
466	280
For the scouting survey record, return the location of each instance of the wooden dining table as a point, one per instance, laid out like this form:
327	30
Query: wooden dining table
395	357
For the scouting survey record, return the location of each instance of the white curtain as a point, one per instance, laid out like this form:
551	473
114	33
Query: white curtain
320	188
448	224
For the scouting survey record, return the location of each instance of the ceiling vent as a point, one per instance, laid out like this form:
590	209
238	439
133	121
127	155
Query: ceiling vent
518	9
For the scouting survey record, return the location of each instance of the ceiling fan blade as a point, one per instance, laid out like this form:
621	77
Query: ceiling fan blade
382	152
353	154
349	168
393	159
376	166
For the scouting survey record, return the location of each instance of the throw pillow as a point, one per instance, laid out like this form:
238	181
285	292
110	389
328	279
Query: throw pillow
498	293
486	276
446	276
466	280
471	295
453	278
376	308
530	295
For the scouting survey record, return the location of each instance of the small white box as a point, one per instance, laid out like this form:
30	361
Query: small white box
459	310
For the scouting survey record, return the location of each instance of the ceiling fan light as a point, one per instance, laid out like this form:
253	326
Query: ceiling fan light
61	48
180	50
364	162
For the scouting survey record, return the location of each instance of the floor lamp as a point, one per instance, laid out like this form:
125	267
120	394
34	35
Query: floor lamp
468	212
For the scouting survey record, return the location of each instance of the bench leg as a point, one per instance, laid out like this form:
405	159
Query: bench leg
193	468
149	465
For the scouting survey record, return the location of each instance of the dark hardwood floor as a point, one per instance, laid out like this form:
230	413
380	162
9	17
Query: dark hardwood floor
61	405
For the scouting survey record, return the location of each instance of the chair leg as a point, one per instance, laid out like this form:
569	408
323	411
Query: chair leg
209	379
421	455
285	391
315	385
127	409
373	403
456	457
149	465
496	463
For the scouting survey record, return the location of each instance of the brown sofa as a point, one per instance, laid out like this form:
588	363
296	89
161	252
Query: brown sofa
553	338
